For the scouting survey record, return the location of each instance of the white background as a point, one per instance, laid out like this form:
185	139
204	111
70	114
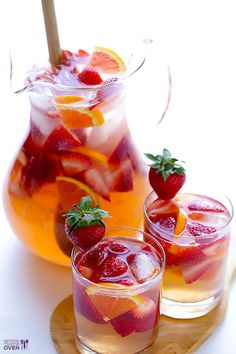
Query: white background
198	39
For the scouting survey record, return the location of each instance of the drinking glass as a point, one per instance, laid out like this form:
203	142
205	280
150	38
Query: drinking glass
119	332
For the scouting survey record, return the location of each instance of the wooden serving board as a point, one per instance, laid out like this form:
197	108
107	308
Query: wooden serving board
175	336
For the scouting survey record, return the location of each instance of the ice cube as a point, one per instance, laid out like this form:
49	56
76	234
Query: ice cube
143	267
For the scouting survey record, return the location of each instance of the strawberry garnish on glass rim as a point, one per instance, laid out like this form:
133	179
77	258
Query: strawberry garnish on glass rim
166	175
83	225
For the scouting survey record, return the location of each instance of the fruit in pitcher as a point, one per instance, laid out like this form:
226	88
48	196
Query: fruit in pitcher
90	76
166	175
83	225
107	61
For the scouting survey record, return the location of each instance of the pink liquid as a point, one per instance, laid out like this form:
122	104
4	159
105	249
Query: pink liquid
116	314
196	258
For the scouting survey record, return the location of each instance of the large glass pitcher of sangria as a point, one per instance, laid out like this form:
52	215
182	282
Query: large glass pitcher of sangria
79	143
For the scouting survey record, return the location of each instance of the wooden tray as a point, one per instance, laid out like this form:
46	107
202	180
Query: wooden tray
175	336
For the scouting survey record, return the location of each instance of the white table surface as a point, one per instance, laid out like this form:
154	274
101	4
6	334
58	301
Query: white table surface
199	40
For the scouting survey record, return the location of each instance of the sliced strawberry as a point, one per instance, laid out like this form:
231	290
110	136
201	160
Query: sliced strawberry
80	134
124	324
95	256
122	178
112	266
127	281
197	229
185	255
122	151
83	53
84	306
39	170
74	163
85	271
212	206
162	209
90	76
216	248
145	309
193	272
34	141
118	248
60	139
94	180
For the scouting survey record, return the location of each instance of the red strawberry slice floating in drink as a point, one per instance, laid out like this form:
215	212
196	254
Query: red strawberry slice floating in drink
166	175
112	266
84	306
212	206
90	76
74	163
192	273
122	178
94	179
60	139
83	225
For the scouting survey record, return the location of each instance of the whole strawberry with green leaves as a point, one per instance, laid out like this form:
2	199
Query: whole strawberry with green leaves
166	175
83	224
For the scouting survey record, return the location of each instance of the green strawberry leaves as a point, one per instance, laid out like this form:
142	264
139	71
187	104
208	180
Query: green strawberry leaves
84	214
165	164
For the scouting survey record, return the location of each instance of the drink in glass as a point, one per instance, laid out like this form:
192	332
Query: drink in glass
117	292
194	230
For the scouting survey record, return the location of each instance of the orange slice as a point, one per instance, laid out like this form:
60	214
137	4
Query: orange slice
68	99
180	222
107	61
109	306
93	154
71	190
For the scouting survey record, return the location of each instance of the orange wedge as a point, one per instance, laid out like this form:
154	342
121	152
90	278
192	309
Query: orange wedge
68	99
109	306
93	154
107	61
71	190
74	116
180	222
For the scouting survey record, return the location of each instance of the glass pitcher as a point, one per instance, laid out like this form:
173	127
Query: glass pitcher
66	156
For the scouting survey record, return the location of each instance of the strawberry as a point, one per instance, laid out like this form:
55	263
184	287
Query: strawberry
94	179
74	163
141	319
84	306
60	139
166	175
195	271
112	266
184	255
122	178
90	76
124	324
197	229
96	255
83	225
206	206
83	53
118	248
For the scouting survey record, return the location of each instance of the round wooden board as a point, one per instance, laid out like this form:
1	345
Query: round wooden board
175	336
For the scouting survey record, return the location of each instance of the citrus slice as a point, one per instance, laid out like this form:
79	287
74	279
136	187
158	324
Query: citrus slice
78	117
68	99
93	154
180	222
71	190
107	61
109	306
